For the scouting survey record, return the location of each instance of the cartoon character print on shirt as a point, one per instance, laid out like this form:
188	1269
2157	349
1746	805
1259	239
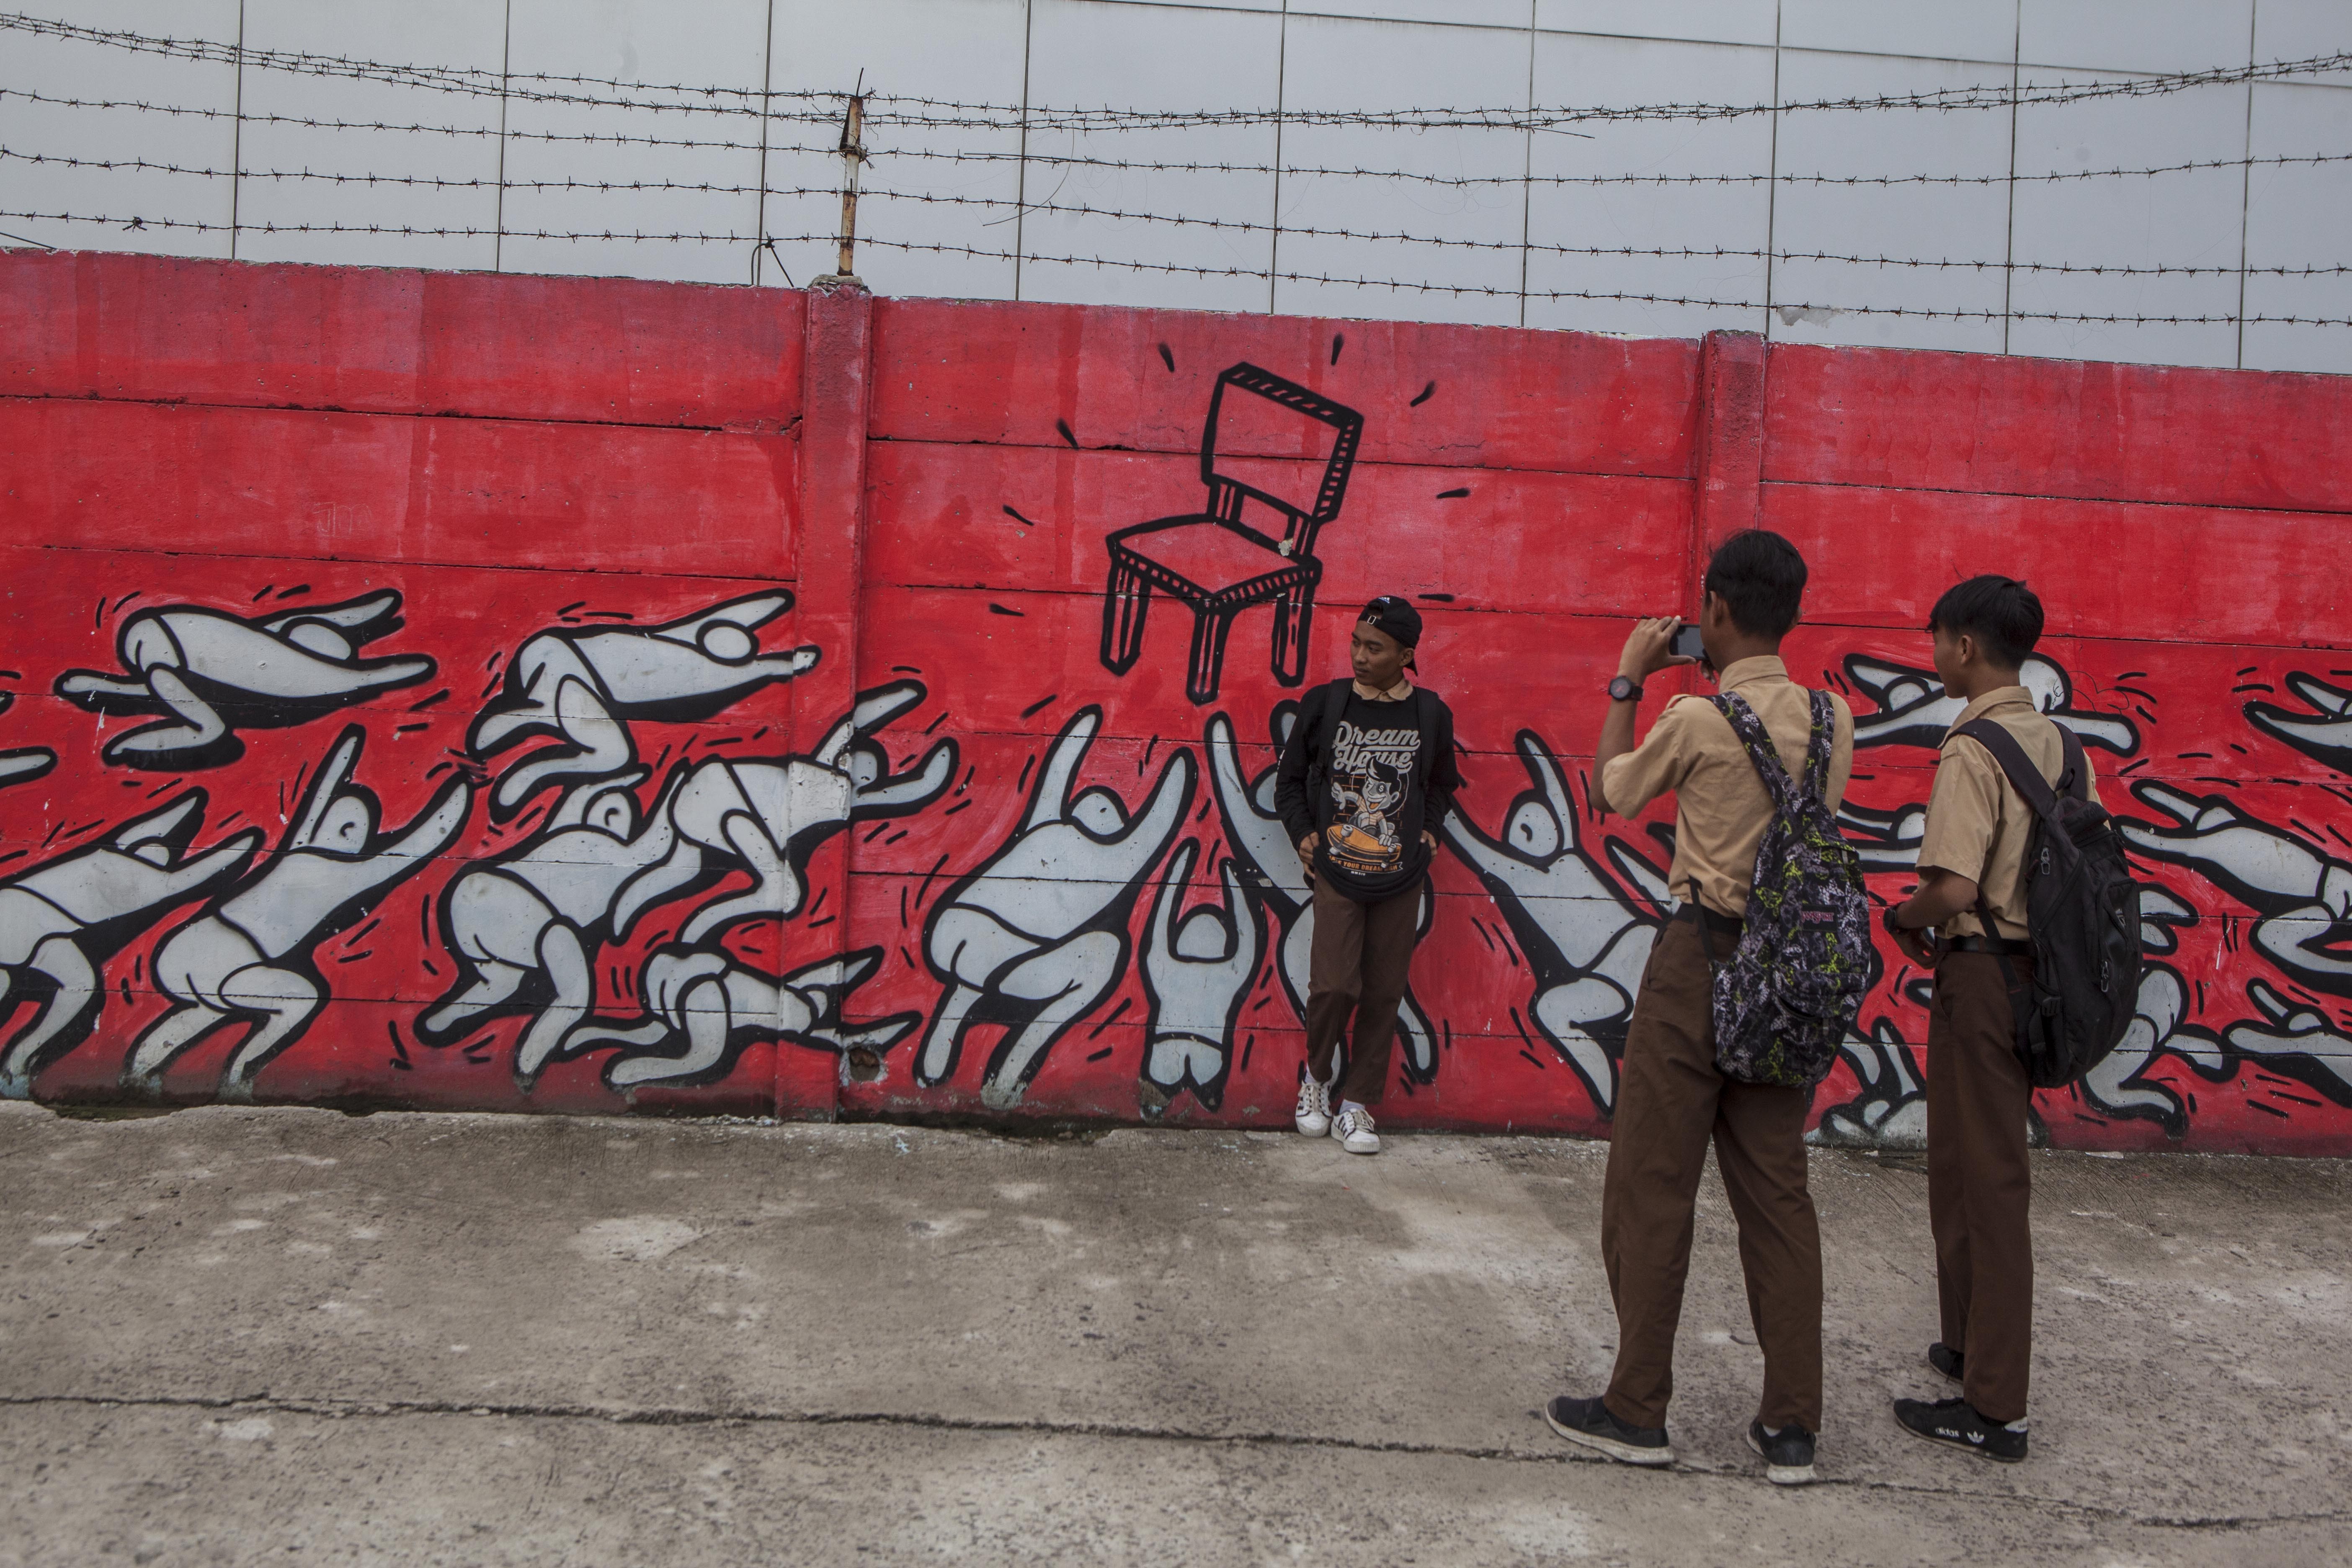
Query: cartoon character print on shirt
1370	770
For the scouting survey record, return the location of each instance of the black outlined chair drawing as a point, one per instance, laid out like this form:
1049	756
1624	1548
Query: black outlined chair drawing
1218	564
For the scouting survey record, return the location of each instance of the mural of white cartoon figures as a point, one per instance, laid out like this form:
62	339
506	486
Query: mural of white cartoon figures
1036	935
770	814
248	955
1279	878
62	920
713	1005
206	673
1197	973
524	926
1586	942
579	683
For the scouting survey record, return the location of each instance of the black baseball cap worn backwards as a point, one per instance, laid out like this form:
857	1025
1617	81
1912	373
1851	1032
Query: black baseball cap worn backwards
1396	617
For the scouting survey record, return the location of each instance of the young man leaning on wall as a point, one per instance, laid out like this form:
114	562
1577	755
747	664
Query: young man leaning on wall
1972	888
1672	1099
1367	777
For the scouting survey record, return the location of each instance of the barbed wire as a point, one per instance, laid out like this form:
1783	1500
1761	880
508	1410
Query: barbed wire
917	115
1790	309
830	149
949	113
1289	171
434	182
1987	96
1144	165
1119	214
535	86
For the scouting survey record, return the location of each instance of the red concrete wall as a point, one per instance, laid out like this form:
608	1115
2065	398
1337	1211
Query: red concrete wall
889	836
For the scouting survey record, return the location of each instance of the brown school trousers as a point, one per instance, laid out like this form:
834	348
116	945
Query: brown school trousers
1978	1185
1358	964
1670	1102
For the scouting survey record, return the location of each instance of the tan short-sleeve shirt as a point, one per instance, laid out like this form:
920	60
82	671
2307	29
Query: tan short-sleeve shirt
1978	824
1721	807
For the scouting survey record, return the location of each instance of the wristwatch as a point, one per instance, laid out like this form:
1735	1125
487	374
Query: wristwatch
1887	919
1621	689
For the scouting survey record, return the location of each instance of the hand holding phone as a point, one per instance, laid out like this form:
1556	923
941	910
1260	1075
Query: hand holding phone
1685	643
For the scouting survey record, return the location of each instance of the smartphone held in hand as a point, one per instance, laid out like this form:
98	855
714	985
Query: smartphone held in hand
1685	643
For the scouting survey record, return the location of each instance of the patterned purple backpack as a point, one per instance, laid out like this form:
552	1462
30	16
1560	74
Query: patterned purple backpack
1787	997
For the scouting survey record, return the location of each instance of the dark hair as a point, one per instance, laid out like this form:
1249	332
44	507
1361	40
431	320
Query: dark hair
1760	578
2000	612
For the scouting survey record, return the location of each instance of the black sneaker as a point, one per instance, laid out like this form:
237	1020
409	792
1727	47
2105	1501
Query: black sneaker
1948	1361
1788	1453
1588	1423
1955	1421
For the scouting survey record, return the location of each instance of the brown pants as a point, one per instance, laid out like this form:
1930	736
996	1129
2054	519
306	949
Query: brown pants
1979	1183
1670	1102
1361	957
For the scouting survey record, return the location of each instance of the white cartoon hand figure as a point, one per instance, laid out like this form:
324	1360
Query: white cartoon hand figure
2117	1082
1586	942
2323	733
2296	1040
1196	976
1886	840
1891	1112
1037	934
2303	896
27	764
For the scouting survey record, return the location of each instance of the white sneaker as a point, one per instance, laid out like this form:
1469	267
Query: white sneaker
1353	1129
1313	1116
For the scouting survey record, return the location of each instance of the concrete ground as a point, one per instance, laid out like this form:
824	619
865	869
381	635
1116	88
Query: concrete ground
291	1336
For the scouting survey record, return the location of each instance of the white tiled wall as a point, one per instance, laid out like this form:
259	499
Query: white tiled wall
1569	226
1090	54
1963	222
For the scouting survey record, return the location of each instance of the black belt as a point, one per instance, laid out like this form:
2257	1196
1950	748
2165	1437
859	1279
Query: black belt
2000	946
1723	925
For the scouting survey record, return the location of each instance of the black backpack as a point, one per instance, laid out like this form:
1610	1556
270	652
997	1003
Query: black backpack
2081	917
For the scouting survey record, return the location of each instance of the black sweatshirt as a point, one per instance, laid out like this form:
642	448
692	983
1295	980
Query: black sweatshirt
1365	779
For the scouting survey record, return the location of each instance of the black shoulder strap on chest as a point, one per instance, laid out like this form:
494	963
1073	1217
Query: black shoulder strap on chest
1325	706
2073	773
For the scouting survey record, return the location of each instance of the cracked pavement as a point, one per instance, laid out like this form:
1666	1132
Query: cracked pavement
288	1335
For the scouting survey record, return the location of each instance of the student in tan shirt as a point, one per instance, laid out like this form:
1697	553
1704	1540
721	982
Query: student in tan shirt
1671	1101
1972	864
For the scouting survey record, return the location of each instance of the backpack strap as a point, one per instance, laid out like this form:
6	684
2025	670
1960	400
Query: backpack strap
1328	714
1819	744
2075	772
2023	777
1762	755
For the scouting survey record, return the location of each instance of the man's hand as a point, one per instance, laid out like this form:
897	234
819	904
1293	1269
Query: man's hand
1429	839
1306	849
1913	945
1646	650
